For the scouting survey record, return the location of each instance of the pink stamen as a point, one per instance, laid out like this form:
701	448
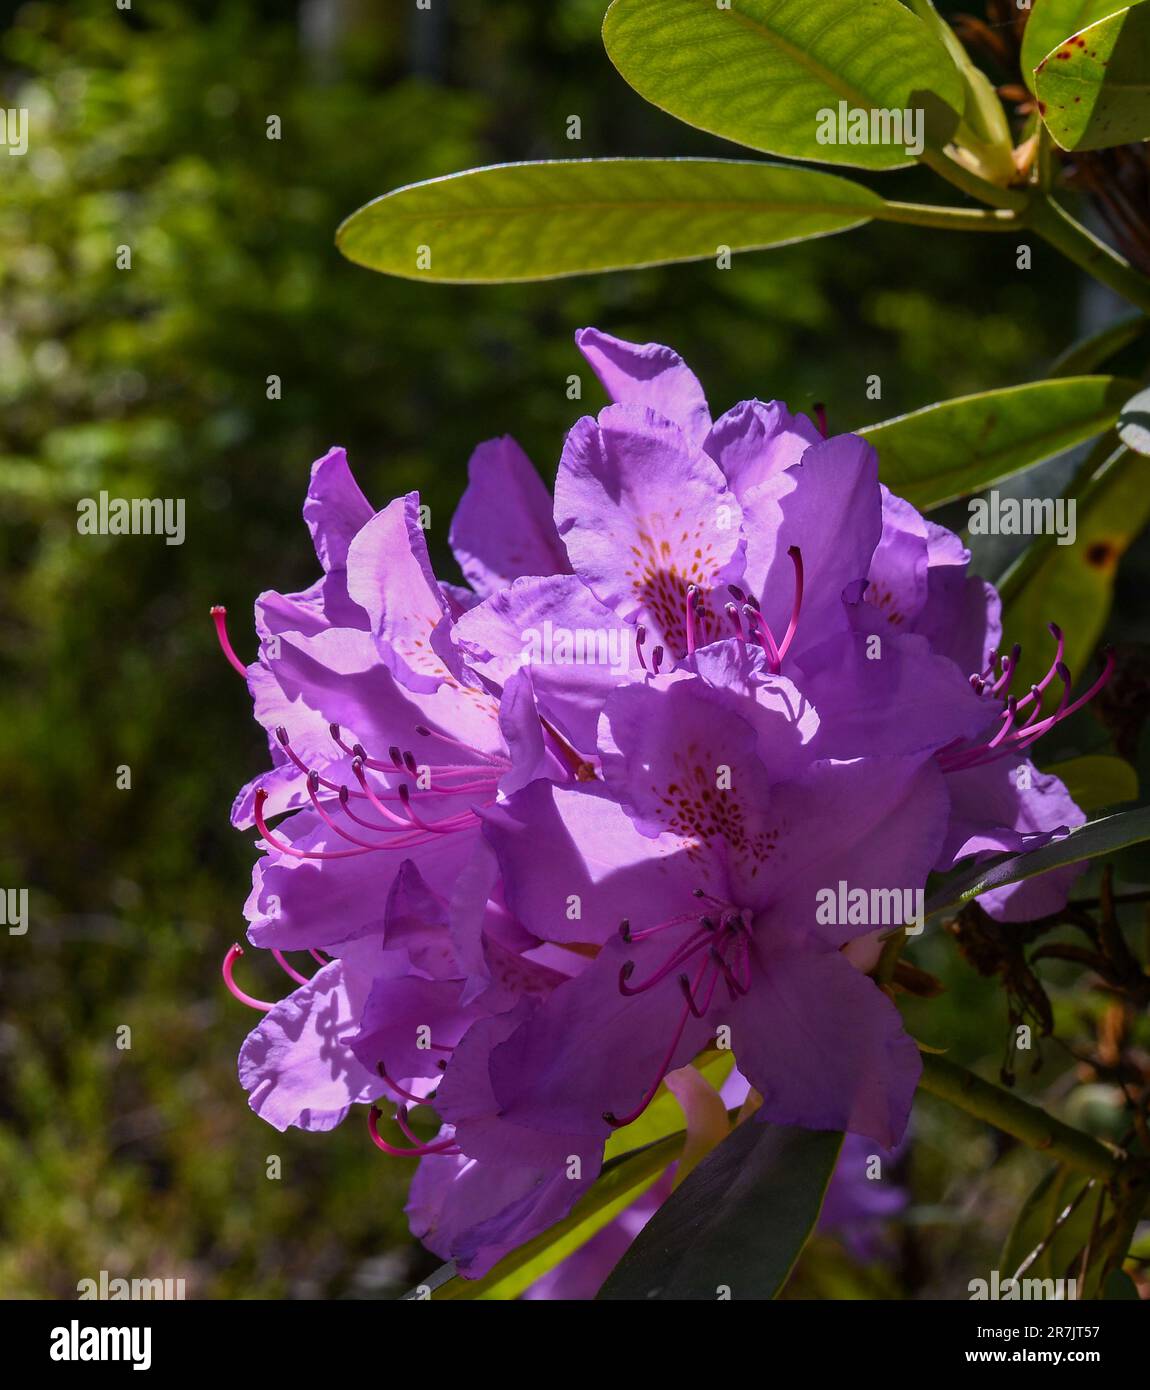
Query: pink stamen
692	591
285	743
388	815
399	1090
243	996
444	1146
409	1133
797	560
1065	711
1009	666
282	847
629	936
1010	740
289	969
697	1009
320	810
640	638
220	618
694	943
755	619
617	1122
447	826
424	732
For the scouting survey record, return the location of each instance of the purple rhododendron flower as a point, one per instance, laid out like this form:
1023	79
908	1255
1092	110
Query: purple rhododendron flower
861	1198
553	835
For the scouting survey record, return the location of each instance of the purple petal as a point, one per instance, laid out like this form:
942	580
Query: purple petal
503	528
644	515
295	1063
826	1048
335	509
647	374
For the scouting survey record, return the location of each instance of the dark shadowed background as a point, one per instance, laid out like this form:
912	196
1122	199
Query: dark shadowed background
148	129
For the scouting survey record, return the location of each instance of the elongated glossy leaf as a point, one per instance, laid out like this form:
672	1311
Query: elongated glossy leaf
1093	90
1134	423
620	1184
1052	21
1097	780
1096	349
984	129
1094	840
762	72
665	1114
736	1226
1073	585
964	445
571	217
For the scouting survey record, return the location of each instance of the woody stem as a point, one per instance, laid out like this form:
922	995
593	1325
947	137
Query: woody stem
1024	1121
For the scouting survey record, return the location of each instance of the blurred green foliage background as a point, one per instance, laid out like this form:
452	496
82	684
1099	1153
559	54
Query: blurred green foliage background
148	129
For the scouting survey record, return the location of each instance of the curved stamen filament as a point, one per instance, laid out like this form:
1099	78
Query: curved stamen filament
329	821
1009	666
755	620
696	942
289	969
285	743
797	560
242	995
219	616
282	847
618	1122
1011	740
447	1146
399	1090
409	1133
630	936
1064	710
424	732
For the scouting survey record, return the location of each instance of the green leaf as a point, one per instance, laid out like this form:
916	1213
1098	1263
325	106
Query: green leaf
1096	349
1052	21
1093	840
1097	780
737	1223
1093	90
619	1185
1038	1227
515	222
961	446
1073	585
665	1114
1134	423
761	72
984	129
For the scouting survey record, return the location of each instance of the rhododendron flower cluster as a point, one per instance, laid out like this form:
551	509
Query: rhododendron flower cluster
554	835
